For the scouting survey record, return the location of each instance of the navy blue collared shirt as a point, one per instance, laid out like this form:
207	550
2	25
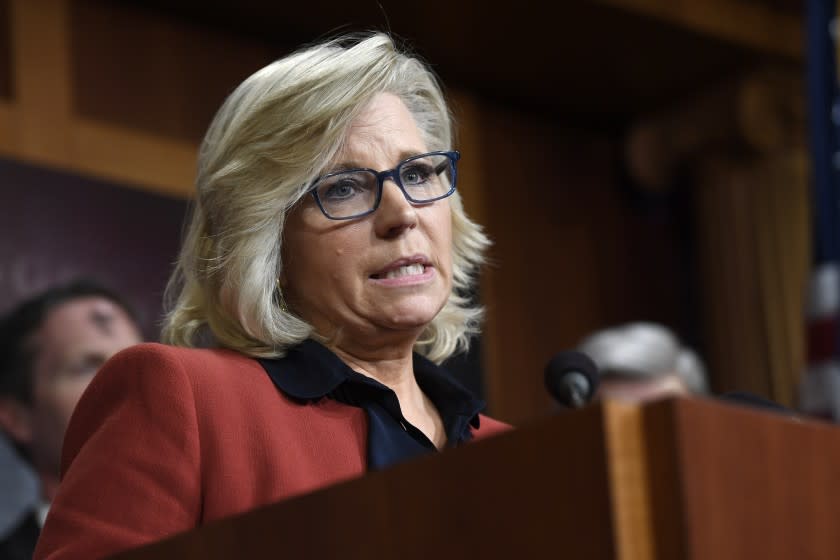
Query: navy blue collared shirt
311	372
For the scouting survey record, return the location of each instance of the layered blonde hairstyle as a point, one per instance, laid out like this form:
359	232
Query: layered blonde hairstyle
271	138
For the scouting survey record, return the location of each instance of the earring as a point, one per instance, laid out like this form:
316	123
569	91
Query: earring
281	301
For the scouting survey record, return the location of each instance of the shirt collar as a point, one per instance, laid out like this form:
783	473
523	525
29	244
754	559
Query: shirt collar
310	371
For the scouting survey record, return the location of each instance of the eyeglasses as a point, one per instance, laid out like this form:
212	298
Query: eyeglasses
353	193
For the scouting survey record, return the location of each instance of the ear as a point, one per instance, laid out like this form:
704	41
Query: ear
16	420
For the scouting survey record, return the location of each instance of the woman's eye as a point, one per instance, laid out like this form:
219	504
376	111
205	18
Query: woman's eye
416	174
340	190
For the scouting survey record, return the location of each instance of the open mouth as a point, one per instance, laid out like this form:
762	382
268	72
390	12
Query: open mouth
414	269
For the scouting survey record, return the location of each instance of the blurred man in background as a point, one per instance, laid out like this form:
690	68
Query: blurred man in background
50	347
642	362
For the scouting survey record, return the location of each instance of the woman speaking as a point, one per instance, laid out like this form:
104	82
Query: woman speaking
320	283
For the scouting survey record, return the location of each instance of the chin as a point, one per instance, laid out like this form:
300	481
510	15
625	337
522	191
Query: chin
417	315
415	321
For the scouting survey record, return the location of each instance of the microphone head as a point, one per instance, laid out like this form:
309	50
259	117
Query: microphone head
572	378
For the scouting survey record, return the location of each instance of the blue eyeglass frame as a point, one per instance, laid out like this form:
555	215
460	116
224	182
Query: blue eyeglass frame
392	174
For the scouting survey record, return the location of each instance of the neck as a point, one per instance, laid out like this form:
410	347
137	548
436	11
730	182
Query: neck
396	371
393	369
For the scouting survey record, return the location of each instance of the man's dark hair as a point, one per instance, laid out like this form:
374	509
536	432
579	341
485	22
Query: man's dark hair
16	328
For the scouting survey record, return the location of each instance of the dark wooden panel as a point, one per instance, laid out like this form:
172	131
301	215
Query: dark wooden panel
666	499
6	71
151	73
572	253
518	495
596	63
727	483
743	483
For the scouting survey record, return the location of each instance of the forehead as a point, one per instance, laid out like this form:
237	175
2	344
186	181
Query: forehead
385	126
83	318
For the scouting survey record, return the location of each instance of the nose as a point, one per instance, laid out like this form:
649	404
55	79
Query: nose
395	214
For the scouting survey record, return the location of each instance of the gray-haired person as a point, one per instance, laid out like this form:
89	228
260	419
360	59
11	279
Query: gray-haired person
643	361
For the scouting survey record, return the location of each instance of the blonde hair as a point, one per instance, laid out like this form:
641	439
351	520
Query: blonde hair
270	139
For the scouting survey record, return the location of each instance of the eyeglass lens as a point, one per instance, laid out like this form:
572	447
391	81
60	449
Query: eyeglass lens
351	193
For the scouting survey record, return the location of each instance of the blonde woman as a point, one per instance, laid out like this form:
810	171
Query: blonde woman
321	273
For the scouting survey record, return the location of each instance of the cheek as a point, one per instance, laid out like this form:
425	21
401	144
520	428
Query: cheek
320	267
50	416
441	230
58	400
127	335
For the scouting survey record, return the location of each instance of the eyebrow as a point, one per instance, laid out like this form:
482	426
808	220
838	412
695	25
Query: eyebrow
352	165
343	167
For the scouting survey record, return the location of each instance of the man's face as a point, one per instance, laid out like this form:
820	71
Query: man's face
76	338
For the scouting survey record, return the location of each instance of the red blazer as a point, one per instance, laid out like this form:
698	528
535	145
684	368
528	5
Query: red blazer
166	439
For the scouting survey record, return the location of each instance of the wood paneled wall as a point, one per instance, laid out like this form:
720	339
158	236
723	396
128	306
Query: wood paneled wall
152	74
5	52
41	122
570	254
123	94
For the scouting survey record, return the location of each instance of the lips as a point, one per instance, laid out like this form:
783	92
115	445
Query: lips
407	266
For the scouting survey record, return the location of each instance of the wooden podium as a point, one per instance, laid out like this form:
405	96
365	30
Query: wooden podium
676	479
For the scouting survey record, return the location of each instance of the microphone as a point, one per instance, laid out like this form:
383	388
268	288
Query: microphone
572	378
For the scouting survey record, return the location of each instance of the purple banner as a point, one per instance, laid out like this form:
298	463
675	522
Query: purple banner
57	226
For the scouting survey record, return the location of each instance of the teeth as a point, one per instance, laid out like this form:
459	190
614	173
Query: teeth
407	270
